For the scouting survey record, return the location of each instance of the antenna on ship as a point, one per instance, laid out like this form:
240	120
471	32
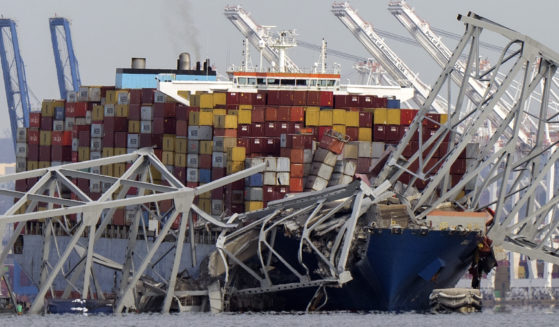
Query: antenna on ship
285	40
323	57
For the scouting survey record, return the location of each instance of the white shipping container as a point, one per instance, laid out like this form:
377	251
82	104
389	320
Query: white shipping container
472	150
159	97
283	140
316	183
145	127
123	98
109	110
130	150
219	160
193	132
283	179
146	112
307	156
269	178
96	145
69	123
307	169
75	144
350	167
58	125
271	164
253	194
378	149
351	151
55	163
325	156
21	150
133	141
87	117
192	160
72	96
346	179
95	155
365	149
322	170
94	94
217	207
96	130
192	175
193	147
205	133
95	170
218	144
81	121
339	167
283	165
21	164
335	179
251	162
82	94
21	134
95	187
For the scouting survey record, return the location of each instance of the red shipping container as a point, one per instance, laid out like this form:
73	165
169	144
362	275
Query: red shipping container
134	112
282	128
67	138
33	152
260	98
405	129
218	173
295	141
232	98
121	139
182	128
21	185
32	136
158	110
294	128
256	145
281	192
286	98
61	153
297	170
366	101
272	146
192	184
299	98
332	142
258	114
352	133
115	124
268	194
271	114
35	119
219	132
180	174
339	101
157	140
326	99
135	96
217	193
46	123
205	161
243	131
352	101
246	98
392	134
322	131
379	133
458	167
273	98
295	184
158	125
365	119
181	112
297	114
108	141
169	125
245	143
257	129
145	140
56	138
230	132
80	109
283	113
237	185
170	110
410	149
363	165
407	116
432	120
297	156
405	178
380	102
147	95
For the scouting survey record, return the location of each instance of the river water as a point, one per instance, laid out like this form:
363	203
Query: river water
514	316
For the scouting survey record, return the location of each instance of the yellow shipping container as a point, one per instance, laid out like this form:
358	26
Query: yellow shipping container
219	121
122	96
180	160
338	116
444	118
97	113
393	116
181	144
107	170
155	173
229	142
44	164
206	118
253	205
235	166
219	111
237	153
169	142
83	153
121	110
134	126
45	138
245	107
233	112
110	97
184	94
206	147
108	152
32	165
119	151
219	98
206	100
119	169
194	118
168	158
380	116
207	195
365	134
312	115
351	119
47	108
325	117
205	205
195	100
230	121
245	116
339	128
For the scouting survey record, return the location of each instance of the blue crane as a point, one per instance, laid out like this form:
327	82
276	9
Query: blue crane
64	57
17	94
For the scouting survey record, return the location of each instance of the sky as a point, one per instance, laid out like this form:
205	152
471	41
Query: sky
106	34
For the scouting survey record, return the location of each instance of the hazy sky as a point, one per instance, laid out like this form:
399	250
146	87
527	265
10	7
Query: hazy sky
106	34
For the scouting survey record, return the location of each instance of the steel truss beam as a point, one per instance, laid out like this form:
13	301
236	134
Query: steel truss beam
525	220
49	199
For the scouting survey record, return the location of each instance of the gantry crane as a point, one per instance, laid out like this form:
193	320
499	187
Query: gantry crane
259	37
15	82
66	63
395	66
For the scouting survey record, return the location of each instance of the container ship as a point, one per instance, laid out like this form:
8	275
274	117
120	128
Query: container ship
315	135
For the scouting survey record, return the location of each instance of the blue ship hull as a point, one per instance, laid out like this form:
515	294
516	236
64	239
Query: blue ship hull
397	273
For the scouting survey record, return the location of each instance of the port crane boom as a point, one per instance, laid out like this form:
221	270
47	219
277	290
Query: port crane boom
395	66
15	82
66	63
259	37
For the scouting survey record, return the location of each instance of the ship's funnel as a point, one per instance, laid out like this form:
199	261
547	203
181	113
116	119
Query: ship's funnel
183	63
138	63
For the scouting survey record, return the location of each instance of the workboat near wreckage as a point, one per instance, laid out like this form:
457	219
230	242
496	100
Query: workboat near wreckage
316	225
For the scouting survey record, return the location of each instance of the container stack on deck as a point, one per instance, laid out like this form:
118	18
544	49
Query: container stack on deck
223	133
